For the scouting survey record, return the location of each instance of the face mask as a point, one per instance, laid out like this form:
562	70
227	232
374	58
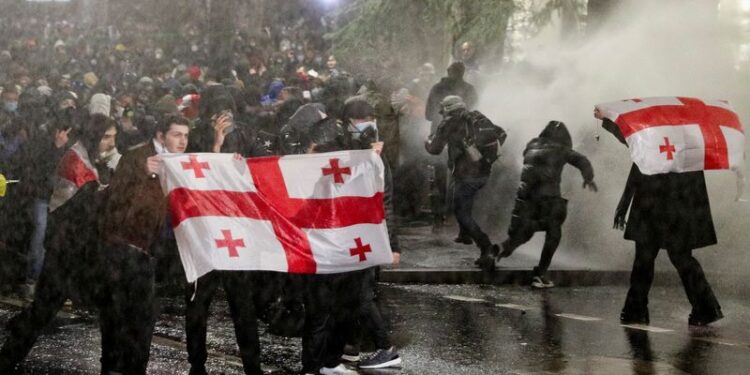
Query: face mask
194	48
10	106
362	127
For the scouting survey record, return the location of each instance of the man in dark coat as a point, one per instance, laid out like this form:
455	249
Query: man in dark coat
453	84
470	175
539	206
667	211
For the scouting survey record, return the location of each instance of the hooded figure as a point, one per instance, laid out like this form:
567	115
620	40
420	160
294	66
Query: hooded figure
100	103
539	205
295	135
667	211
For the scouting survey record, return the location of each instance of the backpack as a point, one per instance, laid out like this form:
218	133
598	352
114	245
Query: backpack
484	135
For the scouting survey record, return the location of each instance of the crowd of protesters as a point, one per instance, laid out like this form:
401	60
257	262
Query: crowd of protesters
85	111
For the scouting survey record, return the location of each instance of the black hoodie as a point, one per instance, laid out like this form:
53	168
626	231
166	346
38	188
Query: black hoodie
544	159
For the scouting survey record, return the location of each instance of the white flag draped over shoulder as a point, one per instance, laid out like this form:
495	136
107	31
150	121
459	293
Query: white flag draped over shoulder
679	134
317	213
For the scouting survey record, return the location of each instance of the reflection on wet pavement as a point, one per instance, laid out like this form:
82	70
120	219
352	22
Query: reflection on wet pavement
457	330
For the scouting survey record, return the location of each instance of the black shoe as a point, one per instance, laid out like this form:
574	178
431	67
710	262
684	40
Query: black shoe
704	319
634	318
381	359
505	253
487	259
464	240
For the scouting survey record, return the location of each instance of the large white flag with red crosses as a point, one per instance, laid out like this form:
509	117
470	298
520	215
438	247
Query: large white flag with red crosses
318	213
678	134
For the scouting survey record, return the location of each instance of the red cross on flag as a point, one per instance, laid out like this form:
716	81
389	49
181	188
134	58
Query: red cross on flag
287	214
678	134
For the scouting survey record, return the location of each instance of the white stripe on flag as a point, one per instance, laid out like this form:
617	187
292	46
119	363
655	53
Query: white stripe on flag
735	147
650	150
213	242
314	176
336	250
207	172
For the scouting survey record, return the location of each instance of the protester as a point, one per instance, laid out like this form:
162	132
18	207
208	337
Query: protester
132	217
455	85
539	204
667	211
71	267
470	173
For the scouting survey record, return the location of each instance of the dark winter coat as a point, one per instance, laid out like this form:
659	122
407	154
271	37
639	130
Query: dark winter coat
543	162
448	86
452	131
669	210
39	158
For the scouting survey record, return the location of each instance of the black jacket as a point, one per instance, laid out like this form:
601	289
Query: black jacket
38	161
543	162
452	131
448	86
669	210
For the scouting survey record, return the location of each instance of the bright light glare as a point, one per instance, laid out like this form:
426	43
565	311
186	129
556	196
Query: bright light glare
745	5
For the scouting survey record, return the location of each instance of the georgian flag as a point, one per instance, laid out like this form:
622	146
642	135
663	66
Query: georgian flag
678	134
317	213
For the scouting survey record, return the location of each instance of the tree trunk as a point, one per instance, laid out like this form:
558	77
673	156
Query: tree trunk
598	13
221	28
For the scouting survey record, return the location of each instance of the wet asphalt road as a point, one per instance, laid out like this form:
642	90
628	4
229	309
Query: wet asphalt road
461	330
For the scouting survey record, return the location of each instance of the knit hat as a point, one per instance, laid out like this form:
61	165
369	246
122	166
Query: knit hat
451	103
194	72
167	104
100	103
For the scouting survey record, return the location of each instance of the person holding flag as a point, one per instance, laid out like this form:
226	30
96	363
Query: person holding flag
671	141
133	215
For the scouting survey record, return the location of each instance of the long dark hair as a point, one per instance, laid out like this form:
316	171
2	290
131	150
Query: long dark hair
93	131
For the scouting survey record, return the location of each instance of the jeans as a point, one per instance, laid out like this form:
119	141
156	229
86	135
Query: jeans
466	189
39	212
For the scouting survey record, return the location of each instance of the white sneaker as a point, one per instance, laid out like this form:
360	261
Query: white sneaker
541	282
338	370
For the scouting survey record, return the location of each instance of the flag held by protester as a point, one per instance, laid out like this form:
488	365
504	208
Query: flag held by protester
679	134
318	213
